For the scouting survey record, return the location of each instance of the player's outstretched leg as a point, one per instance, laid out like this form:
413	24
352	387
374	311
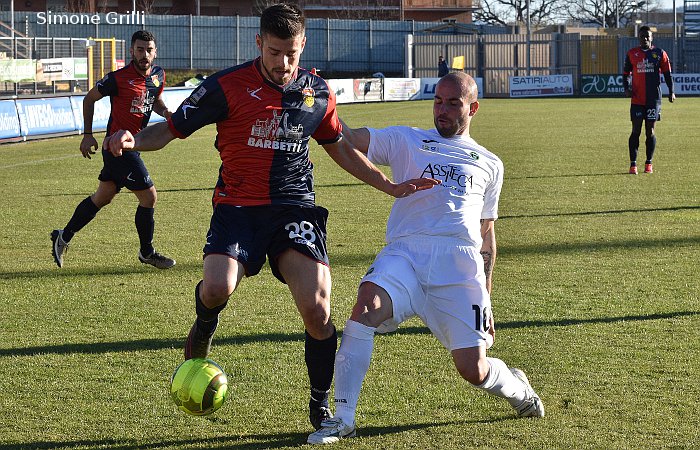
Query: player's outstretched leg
512	385
319	356
59	247
351	365
532	406
157	260
198	344
83	214
145	225
333	430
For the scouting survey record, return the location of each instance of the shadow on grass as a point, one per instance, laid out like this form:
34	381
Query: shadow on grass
248	442
569	175
592	213
97	271
85	194
603	245
194	189
178	343
507	250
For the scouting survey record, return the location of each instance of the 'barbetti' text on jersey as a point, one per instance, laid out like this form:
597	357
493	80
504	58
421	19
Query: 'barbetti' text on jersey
132	96
263	132
646	67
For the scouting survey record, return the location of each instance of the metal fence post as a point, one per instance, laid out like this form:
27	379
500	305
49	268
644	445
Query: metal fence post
369	58
191	56
328	44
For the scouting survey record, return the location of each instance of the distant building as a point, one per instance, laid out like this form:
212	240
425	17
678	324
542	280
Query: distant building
419	10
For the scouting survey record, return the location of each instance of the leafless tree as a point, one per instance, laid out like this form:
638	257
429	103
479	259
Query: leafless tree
610	12
79	6
368	9
260	5
146	6
508	12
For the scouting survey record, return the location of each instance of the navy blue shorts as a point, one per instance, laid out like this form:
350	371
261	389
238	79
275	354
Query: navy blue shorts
648	112
249	234
126	171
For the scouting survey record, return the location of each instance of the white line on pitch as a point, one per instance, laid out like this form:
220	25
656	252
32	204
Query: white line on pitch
39	161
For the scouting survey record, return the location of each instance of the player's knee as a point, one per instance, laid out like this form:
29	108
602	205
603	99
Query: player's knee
317	321
370	314
101	200
149	198
373	305
215	293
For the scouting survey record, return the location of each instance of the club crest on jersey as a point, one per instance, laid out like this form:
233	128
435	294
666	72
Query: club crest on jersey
155	80
308	94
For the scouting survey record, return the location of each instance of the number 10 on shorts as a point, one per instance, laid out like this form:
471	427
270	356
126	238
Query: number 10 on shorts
482	318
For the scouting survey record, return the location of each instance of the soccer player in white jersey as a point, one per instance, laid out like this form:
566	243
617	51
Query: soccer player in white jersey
438	261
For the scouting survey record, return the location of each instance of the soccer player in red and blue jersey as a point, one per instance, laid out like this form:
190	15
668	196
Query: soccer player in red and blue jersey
645	64
134	92
266	111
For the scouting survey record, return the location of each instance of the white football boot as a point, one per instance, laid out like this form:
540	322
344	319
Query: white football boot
532	406
332	430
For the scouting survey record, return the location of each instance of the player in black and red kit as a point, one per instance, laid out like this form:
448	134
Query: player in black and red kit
265	111
134	92
645	64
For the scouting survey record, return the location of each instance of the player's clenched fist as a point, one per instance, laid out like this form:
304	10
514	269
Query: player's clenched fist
121	140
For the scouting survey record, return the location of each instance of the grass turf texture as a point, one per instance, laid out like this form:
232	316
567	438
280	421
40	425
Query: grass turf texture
595	298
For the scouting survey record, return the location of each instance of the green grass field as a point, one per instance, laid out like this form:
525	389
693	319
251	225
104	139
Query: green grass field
595	297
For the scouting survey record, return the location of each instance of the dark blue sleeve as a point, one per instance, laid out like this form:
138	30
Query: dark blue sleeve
107	85
206	105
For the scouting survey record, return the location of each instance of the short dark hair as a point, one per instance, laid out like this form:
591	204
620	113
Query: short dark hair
142	35
644	28
283	20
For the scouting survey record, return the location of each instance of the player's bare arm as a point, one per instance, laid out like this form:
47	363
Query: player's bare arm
357	164
161	109
359	137
151	138
488	249
669	83
88	145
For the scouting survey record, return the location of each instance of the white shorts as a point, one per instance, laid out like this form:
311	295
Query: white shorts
442	281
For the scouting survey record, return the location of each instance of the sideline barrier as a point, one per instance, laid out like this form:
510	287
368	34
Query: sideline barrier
39	116
9	122
36	118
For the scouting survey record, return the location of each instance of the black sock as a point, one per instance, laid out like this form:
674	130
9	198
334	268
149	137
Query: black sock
634	147
144	226
320	359
84	213
651	146
207	318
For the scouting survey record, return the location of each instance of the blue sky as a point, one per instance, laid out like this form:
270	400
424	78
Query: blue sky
668	4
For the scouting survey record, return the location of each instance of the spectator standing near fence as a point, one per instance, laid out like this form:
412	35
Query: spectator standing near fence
442	67
134	92
645	65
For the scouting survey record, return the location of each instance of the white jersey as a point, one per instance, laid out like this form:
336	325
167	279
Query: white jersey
471	177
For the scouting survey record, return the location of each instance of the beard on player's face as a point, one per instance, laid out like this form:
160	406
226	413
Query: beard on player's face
143	64
279	57
279	74
448	128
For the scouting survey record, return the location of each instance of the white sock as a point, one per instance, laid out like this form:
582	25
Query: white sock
502	383
351	365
